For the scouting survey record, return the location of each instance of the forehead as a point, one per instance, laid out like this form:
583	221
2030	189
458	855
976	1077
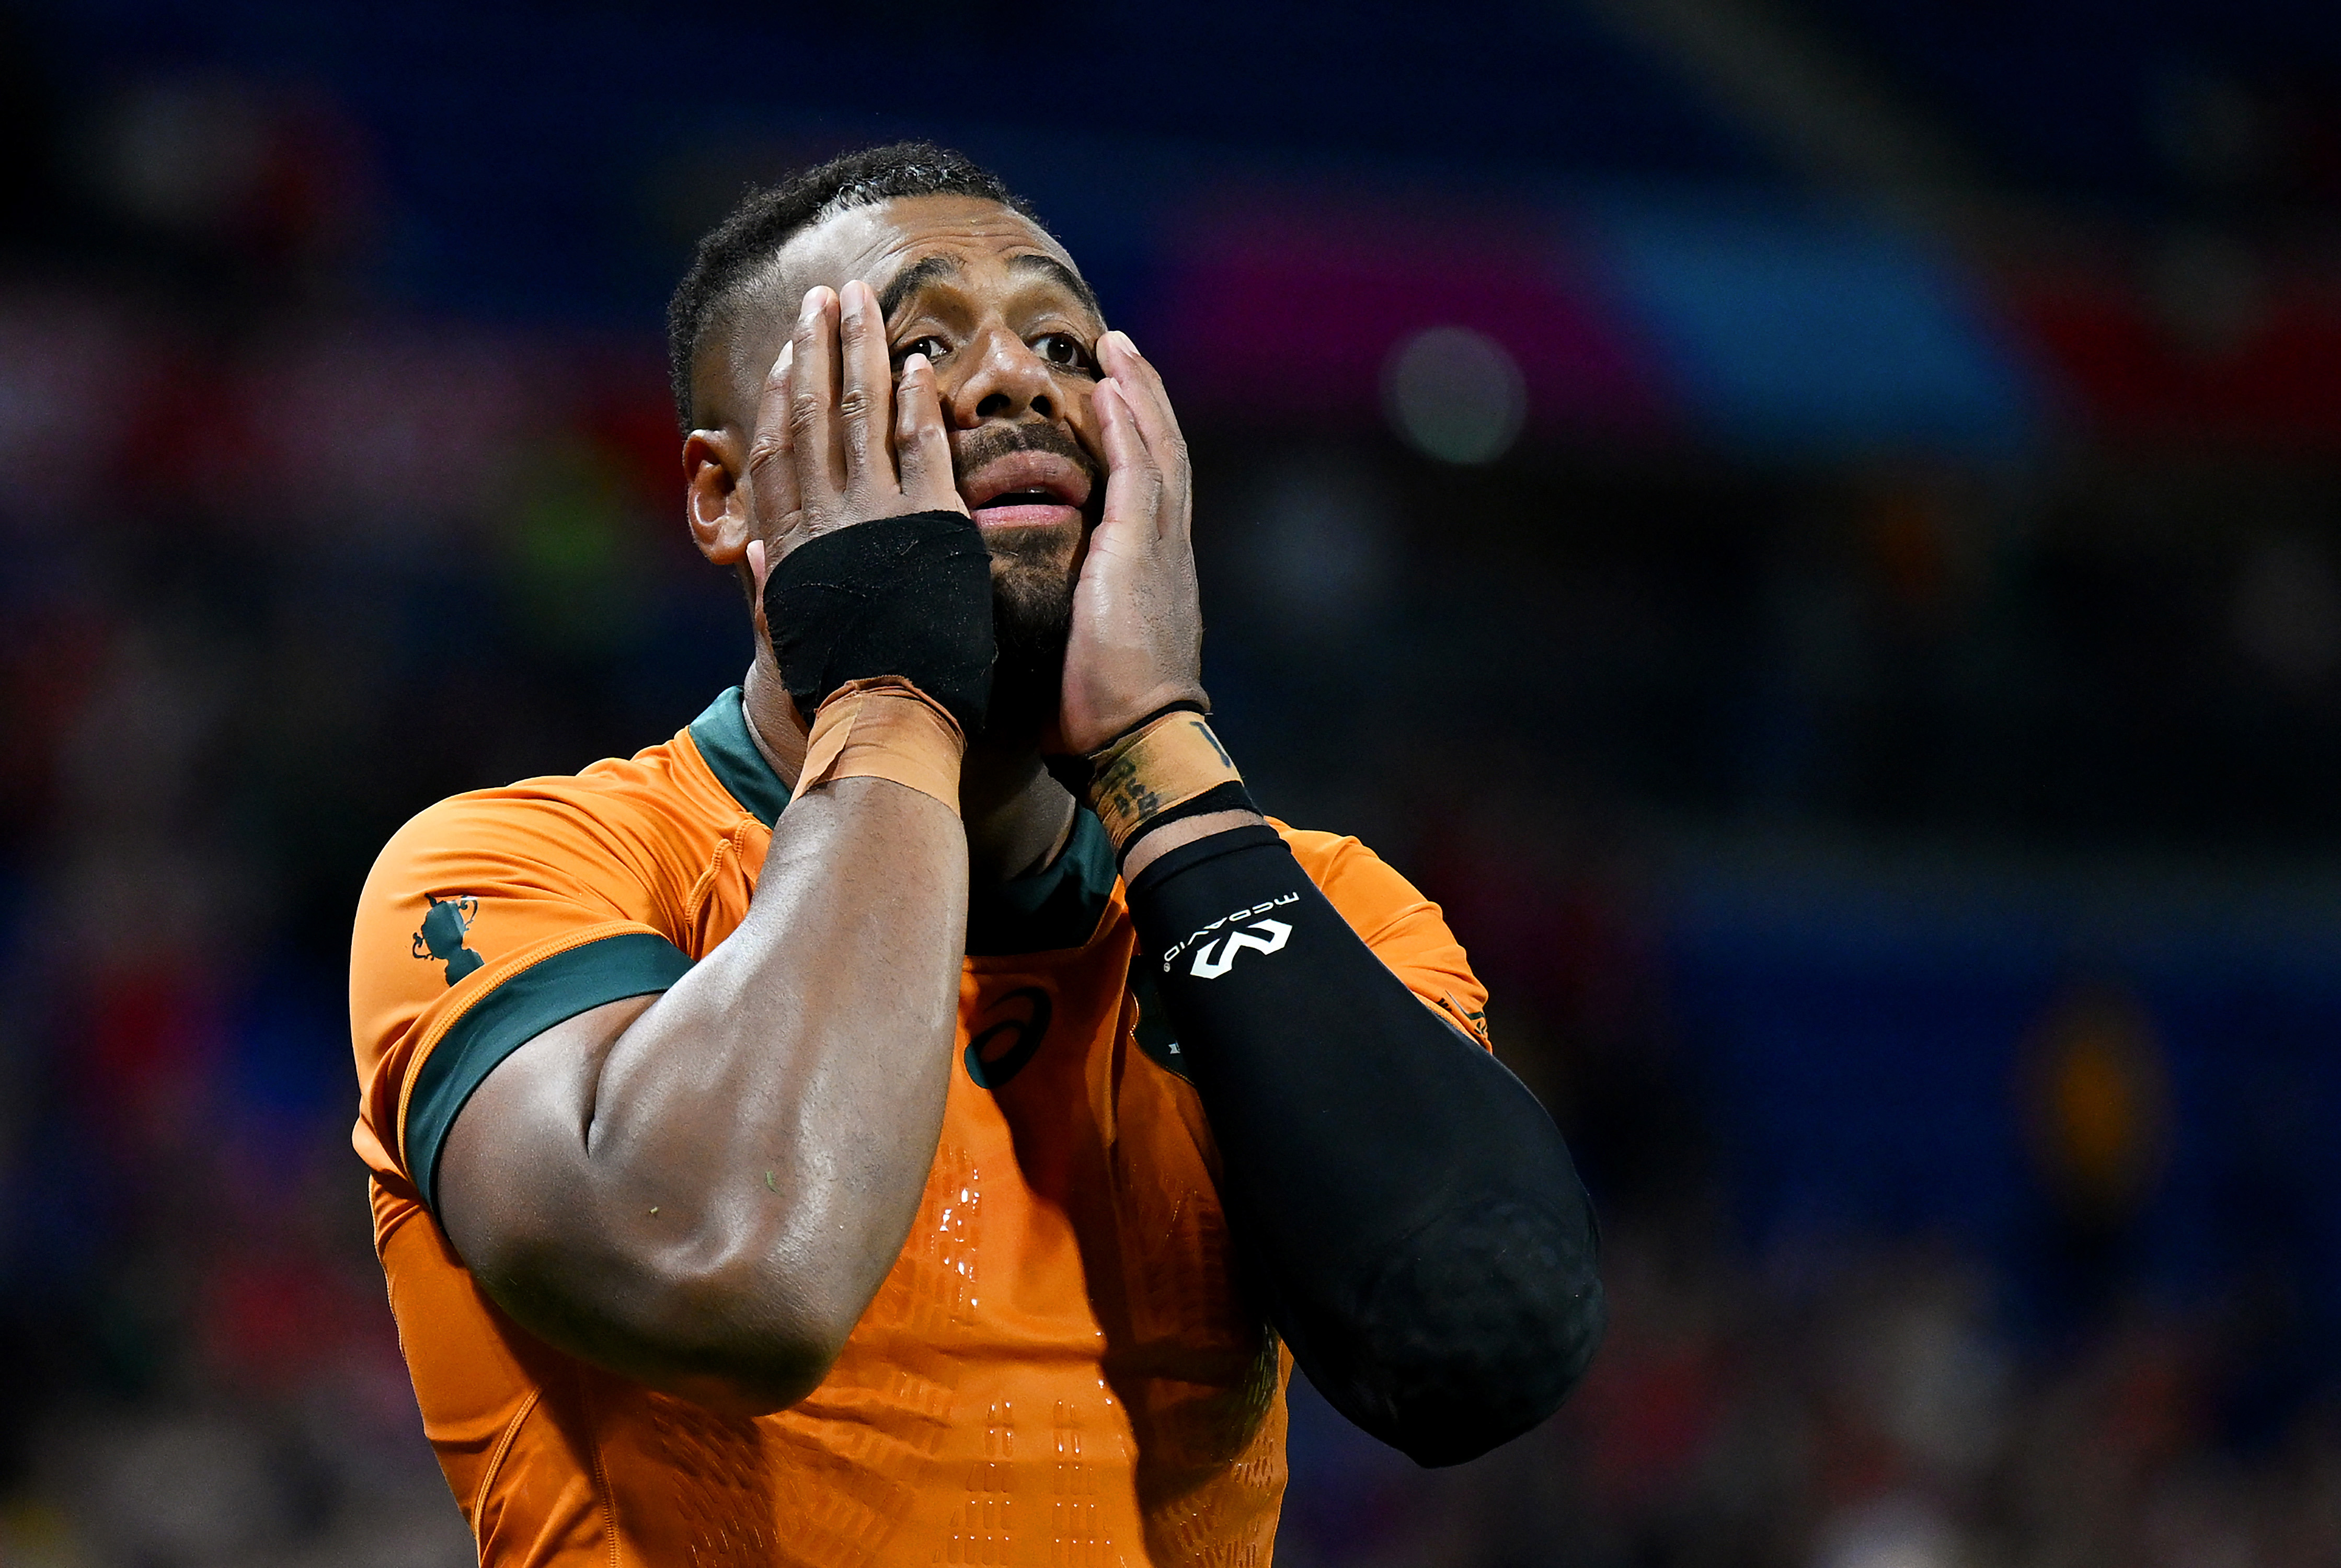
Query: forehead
876	242
979	246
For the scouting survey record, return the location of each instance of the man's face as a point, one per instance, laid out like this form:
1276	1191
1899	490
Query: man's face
998	308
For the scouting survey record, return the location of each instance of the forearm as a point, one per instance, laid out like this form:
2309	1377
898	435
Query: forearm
780	1107
740	1164
704	1193
1411	1212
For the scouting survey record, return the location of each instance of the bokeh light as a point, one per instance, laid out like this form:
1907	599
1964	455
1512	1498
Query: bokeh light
1455	395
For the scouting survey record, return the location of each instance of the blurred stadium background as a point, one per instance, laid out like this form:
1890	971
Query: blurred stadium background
1811	527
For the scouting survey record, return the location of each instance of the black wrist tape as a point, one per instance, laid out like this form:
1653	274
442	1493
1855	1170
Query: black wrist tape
907	596
1406	1211
1229	797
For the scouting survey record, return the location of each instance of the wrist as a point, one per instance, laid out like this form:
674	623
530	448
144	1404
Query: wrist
886	728
1167	768
906	596
1152	845
1100	729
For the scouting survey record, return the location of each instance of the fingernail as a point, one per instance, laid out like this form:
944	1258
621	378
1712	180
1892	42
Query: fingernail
914	363
811	306
1123	339
850	302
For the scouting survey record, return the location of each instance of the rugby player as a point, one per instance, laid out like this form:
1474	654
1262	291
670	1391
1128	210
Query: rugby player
921	1112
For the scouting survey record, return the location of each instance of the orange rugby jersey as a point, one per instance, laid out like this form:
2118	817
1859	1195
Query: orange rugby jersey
1059	1369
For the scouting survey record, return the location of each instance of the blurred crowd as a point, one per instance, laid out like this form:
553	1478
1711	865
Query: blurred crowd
1926	1249
1853	1412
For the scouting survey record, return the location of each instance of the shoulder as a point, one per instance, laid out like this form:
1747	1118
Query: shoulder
1405	930
616	818
500	877
1368	890
493	914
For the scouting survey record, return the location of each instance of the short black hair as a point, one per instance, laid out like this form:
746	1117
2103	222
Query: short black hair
768	216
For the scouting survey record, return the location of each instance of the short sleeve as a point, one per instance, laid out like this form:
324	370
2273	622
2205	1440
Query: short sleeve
487	920
1405	930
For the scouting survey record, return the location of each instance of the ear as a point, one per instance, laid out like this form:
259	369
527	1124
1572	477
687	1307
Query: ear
715	495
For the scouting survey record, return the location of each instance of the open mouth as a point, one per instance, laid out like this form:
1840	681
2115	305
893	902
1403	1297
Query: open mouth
1019	505
1025	488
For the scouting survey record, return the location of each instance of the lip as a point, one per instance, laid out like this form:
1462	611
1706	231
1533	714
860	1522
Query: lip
1045	472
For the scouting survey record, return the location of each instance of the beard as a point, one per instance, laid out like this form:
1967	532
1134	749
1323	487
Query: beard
1032	617
1033	572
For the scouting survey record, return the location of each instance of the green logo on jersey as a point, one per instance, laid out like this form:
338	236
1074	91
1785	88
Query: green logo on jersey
992	1072
442	936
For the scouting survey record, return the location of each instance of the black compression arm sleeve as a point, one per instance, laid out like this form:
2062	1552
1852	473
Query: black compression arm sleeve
1408	1208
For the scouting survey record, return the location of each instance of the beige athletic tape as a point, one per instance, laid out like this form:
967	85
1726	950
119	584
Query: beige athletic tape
1145	774
885	729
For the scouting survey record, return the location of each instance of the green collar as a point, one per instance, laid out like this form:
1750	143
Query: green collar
721	736
1054	907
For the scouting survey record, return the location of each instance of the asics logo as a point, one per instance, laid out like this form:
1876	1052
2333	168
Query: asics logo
991	1070
1213	958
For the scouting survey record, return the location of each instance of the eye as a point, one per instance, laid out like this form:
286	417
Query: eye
933	347
1066	349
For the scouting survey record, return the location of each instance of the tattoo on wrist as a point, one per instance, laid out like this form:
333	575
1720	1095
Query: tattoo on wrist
1158	769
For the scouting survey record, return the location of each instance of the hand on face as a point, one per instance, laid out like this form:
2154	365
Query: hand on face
1137	638
822	459
836	441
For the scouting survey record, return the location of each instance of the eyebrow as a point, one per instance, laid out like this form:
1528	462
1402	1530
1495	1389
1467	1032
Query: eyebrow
1065	277
912	279
932	269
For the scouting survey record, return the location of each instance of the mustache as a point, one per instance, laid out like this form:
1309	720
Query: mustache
994	441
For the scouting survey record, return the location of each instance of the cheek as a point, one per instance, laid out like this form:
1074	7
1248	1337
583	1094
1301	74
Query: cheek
1080	411
950	378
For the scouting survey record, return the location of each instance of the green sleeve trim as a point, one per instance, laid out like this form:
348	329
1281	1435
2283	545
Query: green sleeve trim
526	1004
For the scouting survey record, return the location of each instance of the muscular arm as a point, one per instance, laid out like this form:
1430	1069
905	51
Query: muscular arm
703	1192
1407	1210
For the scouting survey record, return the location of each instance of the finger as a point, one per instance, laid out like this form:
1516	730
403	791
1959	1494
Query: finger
865	395
1141	386
771	464
922	445
813	402
1133	484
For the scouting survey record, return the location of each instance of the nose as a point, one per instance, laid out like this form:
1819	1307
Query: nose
1006	381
